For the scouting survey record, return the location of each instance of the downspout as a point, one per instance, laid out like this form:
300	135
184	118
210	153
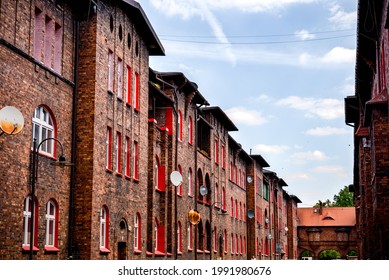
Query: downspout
175	109
73	155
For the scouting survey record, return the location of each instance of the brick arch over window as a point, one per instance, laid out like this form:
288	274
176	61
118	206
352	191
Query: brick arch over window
207	198
199	184
44	126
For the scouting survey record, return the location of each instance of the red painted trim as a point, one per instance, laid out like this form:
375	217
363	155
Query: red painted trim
50	249
26	248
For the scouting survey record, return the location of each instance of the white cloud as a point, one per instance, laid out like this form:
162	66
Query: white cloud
339	55
304	35
337	170
189	8
342	19
327	131
327	109
270	149
303	157
245	116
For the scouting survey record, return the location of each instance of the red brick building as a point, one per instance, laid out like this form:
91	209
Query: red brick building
367	112
327	228
79	73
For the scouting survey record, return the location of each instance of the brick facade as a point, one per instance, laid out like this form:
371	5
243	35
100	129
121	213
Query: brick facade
367	112
125	127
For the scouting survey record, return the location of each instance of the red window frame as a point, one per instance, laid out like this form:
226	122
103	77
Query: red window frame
223	157
109	149
216	151
118	152
128	157
129	86
190	131
136	161
110	80
137	92
179	125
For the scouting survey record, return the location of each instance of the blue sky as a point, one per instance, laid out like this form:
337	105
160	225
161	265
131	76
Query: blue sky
280	69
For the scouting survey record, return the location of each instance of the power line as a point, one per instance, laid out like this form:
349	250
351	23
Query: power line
254	36
259	43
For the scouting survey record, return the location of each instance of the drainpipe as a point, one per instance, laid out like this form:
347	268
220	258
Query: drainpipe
73	153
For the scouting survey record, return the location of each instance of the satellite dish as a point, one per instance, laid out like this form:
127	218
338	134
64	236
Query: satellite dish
203	190
176	178
250	214
11	120
249	179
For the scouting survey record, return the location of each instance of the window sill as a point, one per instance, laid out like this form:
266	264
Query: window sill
110	92
149	254
159	190
51	249
159	253
109	170
137	251
200	251
104	251
119	174
128	105
136	180
190	249
27	248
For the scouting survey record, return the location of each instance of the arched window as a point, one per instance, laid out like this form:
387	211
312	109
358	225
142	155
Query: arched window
190	183
137	232
43	127
225	237
208	236
51	225
179	188
104	229
156	170
179	125
27	224
214	239
232	244
159	237
200	234
224	201
179	237
190	131
232	208
236	209
217	196
190	234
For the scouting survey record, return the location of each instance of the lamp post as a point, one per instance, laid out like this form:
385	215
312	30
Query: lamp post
176	179
61	162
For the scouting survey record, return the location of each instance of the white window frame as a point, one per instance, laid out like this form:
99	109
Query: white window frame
43	128
51	222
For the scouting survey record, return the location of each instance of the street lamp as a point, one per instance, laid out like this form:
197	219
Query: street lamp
176	179
61	162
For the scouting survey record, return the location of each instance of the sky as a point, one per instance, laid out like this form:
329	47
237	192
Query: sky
280	70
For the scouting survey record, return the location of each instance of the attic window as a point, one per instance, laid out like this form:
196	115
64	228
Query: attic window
328	218
111	23
120	32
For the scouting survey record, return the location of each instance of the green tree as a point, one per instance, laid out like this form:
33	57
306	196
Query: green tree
329	255
344	198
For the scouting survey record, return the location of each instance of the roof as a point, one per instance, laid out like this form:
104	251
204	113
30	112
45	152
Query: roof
184	83
330	216
144	27
221	116
262	162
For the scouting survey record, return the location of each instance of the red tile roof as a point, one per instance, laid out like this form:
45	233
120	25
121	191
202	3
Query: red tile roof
330	216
